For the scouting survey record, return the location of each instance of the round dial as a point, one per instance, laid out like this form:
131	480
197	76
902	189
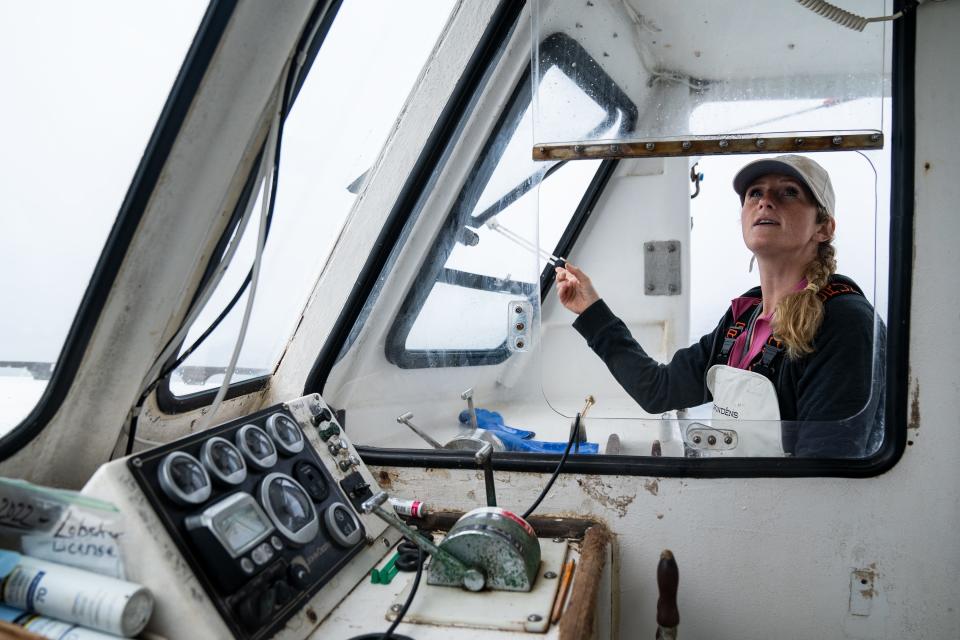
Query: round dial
224	461
256	446
342	525
184	479
286	433
289	507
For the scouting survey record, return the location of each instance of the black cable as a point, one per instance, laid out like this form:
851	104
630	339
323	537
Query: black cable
409	600
186	354
405	549
284	112
574	436
408	556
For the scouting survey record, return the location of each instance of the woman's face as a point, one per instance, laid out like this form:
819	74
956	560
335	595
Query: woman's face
779	220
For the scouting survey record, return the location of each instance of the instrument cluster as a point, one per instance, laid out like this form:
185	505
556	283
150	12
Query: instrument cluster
255	513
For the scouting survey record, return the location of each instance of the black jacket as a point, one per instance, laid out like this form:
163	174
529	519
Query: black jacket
826	405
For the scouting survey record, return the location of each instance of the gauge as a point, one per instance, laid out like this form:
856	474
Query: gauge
224	461
184	479
286	433
257	446
289	507
342	525
237	522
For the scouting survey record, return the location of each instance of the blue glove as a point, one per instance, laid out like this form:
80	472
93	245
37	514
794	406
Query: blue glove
513	443
493	421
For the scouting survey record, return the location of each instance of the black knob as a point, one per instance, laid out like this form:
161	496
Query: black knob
321	416
284	592
299	576
256	610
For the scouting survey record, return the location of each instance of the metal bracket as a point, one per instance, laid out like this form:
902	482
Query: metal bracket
661	268
519	317
704	438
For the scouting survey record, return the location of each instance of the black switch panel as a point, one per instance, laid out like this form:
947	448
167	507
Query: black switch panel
258	543
356	488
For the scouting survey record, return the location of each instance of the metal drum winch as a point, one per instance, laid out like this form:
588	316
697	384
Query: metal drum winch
499	543
488	547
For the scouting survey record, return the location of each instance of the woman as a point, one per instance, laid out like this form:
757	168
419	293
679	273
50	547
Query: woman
797	349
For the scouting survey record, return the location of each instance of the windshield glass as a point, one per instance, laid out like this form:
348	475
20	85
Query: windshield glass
331	140
83	86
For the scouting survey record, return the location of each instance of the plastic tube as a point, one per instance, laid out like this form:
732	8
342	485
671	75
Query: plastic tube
72	595
50	628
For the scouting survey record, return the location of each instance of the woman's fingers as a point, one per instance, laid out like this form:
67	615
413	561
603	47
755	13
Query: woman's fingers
578	274
566	277
574	289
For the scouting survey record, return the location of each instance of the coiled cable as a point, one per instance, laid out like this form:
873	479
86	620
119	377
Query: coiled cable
841	16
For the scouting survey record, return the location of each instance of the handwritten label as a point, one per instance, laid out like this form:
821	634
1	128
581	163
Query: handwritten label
24	512
80	540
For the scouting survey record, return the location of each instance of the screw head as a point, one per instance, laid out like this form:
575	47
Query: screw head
550	575
473	580
875	137
799	141
711	440
761	143
837	139
558	540
137	462
520	344
518	309
534	617
696	439
727	440
578	148
520	326
614	148
396	608
724	144
650	146
686	144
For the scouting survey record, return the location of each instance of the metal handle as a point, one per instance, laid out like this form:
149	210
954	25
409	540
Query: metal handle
468	396
473	579
484	458
406	419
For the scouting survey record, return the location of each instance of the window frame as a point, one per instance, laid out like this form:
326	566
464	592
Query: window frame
167	401
436	271
897	347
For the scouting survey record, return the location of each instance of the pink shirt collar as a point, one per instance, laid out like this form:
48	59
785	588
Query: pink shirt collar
761	331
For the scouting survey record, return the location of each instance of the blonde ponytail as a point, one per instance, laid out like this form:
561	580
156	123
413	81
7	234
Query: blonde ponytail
798	317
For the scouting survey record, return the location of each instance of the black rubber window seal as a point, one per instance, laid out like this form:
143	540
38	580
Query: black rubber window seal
489	48
167	401
617	106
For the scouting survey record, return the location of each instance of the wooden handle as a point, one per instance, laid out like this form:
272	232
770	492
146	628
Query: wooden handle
668	579
578	620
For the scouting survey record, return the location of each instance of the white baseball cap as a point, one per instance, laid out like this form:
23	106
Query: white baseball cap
800	167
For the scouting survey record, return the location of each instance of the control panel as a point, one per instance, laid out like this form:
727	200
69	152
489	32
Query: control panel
260	519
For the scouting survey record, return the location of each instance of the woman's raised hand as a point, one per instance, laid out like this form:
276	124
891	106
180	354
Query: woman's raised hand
575	289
